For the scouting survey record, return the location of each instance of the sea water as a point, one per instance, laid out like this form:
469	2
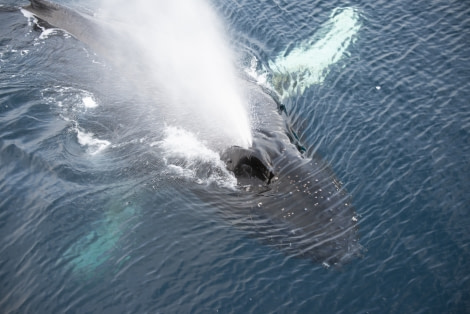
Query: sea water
98	215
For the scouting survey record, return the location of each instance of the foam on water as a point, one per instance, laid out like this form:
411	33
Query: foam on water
187	156
93	144
74	103
260	76
89	102
30	16
46	32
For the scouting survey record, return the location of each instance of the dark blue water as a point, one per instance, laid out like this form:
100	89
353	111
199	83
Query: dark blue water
93	220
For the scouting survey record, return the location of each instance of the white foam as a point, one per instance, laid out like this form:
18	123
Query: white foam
46	32
30	16
70	98
187	156
88	140
261	77
89	102
74	103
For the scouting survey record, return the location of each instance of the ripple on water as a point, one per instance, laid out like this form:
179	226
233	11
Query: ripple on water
401	150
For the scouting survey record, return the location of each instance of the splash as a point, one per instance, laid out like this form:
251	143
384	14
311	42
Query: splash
189	157
181	48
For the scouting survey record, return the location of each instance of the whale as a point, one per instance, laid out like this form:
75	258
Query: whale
287	199
296	203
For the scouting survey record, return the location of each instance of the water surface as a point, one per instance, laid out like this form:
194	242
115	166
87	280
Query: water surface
97	216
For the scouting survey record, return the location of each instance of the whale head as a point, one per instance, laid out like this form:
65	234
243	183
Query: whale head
296	203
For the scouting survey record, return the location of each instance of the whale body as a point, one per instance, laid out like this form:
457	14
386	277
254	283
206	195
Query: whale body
294	202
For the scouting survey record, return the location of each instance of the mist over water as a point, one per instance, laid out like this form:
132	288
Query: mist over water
180	48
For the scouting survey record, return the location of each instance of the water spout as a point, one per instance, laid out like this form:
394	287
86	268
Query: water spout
181	47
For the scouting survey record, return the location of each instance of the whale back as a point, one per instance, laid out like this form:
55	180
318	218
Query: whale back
85	27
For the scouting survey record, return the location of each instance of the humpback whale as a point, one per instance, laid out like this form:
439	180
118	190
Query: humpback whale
295	201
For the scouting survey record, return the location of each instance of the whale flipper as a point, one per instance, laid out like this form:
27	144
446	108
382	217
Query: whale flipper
308	62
